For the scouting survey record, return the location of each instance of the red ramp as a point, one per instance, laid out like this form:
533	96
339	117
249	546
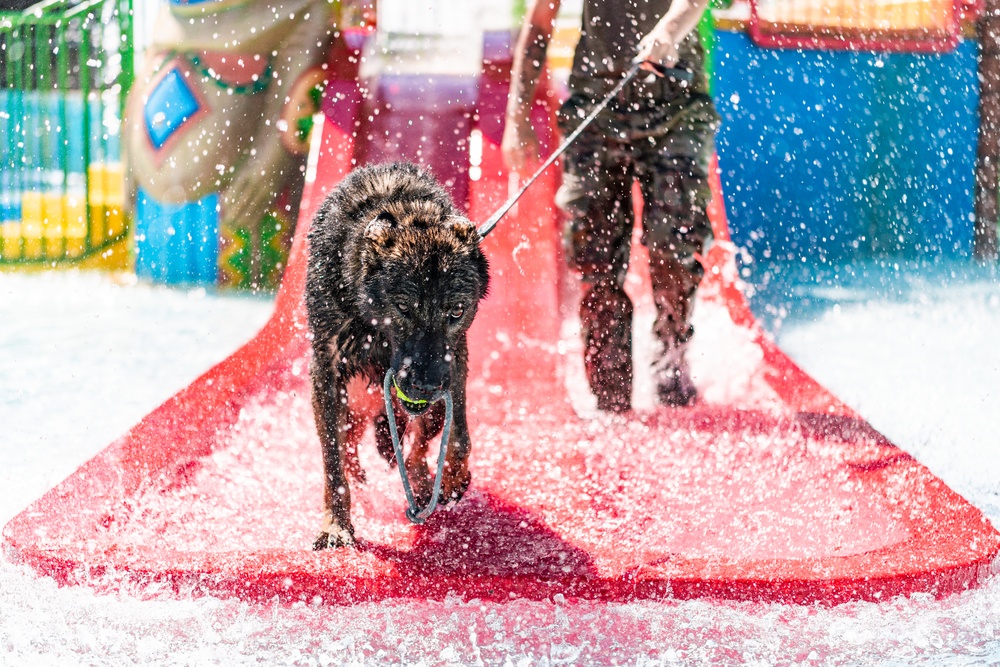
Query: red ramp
768	489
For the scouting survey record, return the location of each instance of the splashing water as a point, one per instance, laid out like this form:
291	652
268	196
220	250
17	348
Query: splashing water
71	389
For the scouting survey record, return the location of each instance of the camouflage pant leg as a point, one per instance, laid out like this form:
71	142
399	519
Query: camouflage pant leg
596	196
675	231
673	174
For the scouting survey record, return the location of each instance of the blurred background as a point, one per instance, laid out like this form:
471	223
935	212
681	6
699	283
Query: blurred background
851	130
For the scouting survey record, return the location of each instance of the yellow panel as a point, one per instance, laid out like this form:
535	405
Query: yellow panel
76	225
31	224
11	232
860	15
53	224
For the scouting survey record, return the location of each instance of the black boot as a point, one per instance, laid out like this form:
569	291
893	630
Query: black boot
673	378
674	284
606	313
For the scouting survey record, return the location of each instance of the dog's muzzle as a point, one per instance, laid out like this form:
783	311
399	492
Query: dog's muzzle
415	406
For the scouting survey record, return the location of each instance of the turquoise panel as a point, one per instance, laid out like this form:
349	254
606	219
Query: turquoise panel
170	105
177	244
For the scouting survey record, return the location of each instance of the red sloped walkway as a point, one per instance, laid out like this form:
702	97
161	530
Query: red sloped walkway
768	489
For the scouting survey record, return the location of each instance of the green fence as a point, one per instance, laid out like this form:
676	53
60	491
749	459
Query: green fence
66	69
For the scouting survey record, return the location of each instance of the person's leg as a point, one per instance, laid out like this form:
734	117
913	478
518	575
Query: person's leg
606	314
675	230
596	198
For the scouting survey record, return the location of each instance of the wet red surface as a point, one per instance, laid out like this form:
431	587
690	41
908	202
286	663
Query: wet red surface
769	488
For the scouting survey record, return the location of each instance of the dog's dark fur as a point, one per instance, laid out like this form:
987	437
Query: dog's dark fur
394	279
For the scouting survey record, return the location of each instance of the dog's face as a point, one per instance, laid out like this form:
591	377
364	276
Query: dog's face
421	285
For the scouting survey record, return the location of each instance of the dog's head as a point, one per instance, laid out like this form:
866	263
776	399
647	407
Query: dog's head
423	276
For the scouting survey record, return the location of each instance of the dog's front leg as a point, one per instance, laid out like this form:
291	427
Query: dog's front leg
329	395
456	467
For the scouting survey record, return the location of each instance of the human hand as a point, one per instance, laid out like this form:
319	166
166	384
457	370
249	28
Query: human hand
519	146
659	47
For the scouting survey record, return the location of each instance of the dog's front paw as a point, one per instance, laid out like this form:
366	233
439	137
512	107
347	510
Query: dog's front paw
334	535
334	540
421	481
454	486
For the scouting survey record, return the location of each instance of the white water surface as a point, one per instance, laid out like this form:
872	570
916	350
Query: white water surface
83	357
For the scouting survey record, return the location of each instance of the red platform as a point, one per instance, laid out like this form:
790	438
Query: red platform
769	488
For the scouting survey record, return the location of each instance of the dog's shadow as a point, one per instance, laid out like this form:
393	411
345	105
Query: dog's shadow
484	535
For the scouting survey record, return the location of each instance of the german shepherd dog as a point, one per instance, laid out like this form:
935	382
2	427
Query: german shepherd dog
395	275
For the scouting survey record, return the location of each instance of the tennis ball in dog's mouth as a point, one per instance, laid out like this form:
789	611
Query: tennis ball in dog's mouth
406	399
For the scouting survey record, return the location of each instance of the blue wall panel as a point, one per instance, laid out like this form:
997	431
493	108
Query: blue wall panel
832	154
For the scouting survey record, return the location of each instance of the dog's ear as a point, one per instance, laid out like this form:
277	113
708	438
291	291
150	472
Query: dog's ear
463	229
378	231
467	234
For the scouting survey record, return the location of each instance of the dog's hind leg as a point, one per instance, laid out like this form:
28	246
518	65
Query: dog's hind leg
383	437
364	402
329	394
355	430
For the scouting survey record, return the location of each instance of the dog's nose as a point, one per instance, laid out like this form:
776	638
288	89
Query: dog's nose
430	389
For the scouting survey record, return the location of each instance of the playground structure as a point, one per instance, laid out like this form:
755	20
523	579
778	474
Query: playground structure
768	489
216	137
65	72
835	150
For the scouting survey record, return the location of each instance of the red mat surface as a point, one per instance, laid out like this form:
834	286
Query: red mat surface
769	488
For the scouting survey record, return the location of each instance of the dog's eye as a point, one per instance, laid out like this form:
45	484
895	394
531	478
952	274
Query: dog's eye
457	311
403	307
